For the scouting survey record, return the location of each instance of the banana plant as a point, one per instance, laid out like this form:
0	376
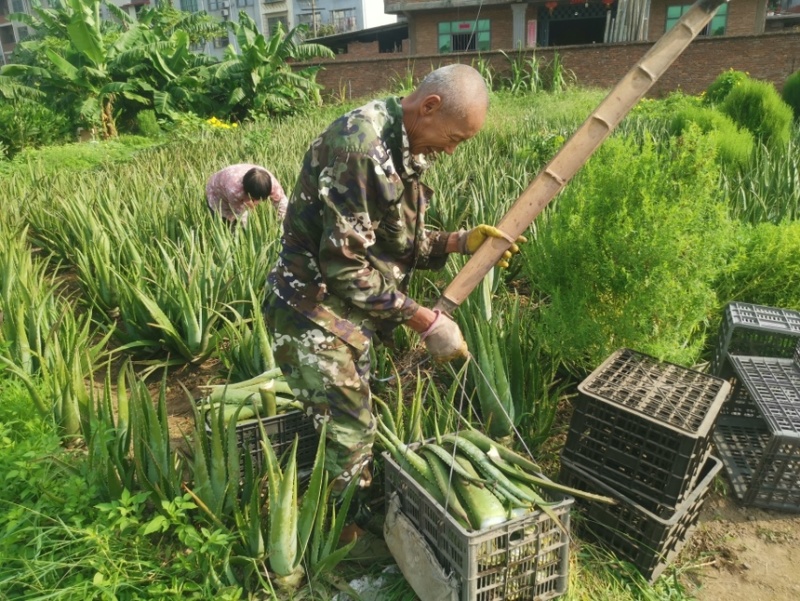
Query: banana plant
84	68
255	75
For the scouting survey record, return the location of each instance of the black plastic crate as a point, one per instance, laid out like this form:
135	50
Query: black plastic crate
647	540
753	330
740	403
644	426
761	448
524	558
281	431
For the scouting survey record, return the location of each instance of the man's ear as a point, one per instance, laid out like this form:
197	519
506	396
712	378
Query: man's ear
431	104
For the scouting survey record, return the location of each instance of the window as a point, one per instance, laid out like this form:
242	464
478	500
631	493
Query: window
189	6
22	33
6	35
243	3
462	36
716	26
17	6
214	4
344	20
221	42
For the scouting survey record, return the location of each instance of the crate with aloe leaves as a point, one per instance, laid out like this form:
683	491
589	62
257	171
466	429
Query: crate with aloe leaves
489	515
261	405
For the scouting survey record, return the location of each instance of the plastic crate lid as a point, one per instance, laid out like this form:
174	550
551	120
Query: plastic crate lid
762	317
774	385
682	398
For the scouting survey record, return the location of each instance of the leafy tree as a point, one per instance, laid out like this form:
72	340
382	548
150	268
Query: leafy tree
258	78
83	68
96	68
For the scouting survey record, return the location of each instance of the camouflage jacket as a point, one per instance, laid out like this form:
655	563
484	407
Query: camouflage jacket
354	229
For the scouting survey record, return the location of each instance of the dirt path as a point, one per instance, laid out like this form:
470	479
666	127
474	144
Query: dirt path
743	554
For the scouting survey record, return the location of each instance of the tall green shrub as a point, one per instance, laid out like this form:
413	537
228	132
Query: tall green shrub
791	93
629	255
28	124
766	267
734	146
723	84
757	106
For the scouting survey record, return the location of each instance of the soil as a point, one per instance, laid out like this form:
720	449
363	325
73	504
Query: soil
742	554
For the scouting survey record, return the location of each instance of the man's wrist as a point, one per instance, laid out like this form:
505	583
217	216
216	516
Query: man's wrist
454	242
421	320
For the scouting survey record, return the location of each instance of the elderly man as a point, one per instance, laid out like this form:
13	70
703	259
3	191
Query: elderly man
354	232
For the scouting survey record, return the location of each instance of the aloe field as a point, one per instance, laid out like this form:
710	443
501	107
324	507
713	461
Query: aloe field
121	297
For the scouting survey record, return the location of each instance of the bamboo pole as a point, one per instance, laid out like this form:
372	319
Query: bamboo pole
578	149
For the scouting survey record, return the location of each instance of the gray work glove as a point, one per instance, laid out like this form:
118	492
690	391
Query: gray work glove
443	339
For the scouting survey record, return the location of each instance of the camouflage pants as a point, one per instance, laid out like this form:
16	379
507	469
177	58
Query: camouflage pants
332	380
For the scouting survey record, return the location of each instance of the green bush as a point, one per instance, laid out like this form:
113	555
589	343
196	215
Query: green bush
630	253
757	106
723	84
26	124
791	93
147	124
766	267
734	146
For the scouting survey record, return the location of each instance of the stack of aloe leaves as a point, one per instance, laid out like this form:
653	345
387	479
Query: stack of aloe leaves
481	483
265	395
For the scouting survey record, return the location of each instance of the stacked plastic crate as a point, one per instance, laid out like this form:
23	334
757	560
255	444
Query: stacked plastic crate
641	433
525	558
758	432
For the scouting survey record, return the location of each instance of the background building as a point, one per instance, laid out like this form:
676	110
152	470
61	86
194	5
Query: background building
448	26
10	32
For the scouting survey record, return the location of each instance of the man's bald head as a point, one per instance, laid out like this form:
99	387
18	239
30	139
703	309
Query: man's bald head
461	88
448	107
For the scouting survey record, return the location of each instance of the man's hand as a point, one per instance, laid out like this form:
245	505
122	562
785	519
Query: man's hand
443	339
471	240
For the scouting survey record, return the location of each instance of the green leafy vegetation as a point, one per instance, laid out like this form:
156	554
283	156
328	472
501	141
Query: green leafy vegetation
764	270
757	106
79	70
733	146
630	255
791	93
723	84
116	284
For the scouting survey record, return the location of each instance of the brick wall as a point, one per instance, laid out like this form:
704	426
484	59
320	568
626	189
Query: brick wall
770	57
741	17
362	49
